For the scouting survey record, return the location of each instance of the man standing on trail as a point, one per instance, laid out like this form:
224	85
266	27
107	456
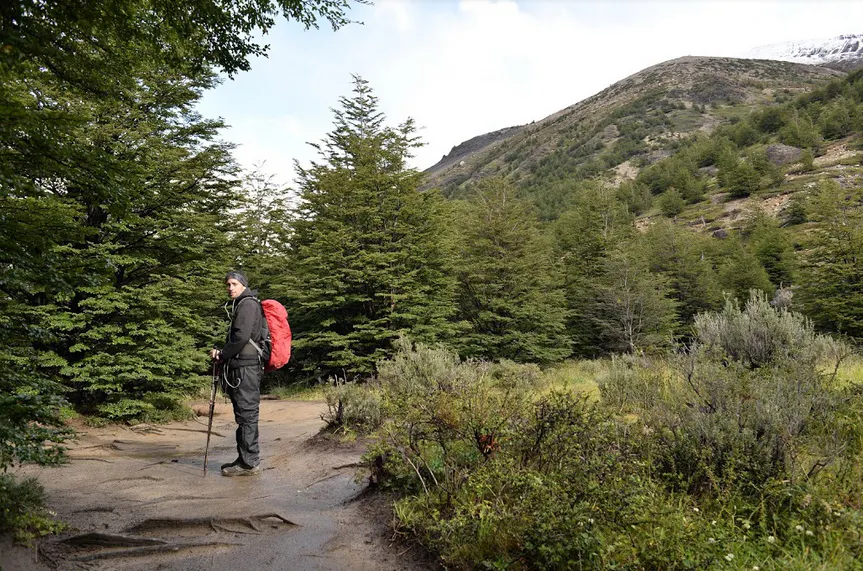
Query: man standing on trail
242	371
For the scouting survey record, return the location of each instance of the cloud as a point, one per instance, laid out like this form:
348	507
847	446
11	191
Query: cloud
462	69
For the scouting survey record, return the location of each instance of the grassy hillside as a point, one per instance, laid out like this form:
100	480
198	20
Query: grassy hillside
633	123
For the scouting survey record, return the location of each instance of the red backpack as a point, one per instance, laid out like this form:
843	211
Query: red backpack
275	335
280	334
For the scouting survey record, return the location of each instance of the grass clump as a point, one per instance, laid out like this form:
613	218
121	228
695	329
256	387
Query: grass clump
299	391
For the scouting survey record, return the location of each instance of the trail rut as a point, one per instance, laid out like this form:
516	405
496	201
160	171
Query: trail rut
136	498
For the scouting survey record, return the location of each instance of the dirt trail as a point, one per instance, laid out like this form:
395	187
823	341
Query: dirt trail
138	500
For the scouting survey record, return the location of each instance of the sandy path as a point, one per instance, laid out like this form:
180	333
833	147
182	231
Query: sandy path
146	483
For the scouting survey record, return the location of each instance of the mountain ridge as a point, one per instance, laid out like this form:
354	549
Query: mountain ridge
683	92
844	52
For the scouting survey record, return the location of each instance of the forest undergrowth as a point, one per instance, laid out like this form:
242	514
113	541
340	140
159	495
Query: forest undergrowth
741	449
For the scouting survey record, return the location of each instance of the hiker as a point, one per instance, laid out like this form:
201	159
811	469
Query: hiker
242	372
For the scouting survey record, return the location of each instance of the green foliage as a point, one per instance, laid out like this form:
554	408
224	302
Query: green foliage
736	453
743	179
22	509
445	416
772	248
831	288
595	223
114	196
82	41
369	253
510	289
796	212
550	500
635	310
770	119
685	258
800	131
807	161
635	196
758	335
741	404
352	407
134	345
840	117
677	172
671	202
740	271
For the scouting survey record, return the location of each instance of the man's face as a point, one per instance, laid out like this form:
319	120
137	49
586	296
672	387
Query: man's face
235	288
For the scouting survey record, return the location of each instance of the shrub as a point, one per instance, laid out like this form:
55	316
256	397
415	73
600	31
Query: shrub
446	416
736	451
759	335
352	407
554	497
671	202
22	509
634	384
744	402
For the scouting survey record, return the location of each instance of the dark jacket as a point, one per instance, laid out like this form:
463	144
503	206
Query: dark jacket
246	324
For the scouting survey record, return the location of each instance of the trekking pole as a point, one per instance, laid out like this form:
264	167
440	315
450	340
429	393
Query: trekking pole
216	374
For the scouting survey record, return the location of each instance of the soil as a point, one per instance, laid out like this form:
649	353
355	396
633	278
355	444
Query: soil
136	498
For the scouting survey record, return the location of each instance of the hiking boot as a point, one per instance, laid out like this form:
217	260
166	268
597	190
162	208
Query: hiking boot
229	464
240	470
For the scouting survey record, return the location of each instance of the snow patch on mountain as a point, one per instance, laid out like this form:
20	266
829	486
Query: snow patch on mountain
813	52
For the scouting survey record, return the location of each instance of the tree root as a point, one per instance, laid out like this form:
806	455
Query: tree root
148	550
111	540
216	524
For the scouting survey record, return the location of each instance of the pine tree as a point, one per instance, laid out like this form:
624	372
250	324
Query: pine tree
510	289
369	251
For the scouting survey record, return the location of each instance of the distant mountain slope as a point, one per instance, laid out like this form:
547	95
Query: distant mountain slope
635	119
843	52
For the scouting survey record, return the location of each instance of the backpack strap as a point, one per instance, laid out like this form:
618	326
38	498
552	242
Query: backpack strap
251	340
258	349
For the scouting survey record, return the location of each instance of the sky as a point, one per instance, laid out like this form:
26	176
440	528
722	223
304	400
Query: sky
462	68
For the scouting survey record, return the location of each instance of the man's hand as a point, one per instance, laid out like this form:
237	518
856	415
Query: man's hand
215	354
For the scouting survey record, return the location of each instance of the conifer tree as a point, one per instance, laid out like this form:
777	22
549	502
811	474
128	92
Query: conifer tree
584	235
150	189
740	271
113	195
832	271
510	289
685	258
369	251
772	247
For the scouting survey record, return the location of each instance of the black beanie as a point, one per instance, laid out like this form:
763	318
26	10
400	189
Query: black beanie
237	276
